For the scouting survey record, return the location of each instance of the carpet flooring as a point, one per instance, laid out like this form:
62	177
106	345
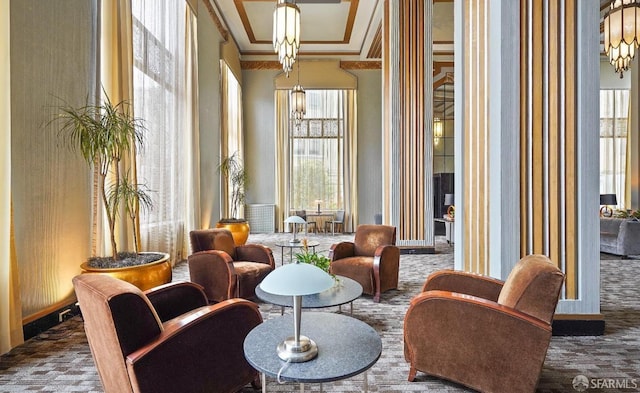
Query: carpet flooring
59	360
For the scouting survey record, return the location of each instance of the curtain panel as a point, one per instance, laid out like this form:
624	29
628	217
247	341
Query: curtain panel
164	98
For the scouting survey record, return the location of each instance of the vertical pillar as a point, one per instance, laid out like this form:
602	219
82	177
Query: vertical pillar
526	180
407	121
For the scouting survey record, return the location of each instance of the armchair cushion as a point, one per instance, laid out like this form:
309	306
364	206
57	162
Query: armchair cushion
225	270
372	259
198	350
463	337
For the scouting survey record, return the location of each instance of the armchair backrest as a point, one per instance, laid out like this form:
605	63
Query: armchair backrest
533	287
369	237
118	319
213	239
302	213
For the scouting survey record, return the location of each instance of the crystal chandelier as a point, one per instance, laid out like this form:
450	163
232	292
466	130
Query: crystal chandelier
621	32
298	100
286	33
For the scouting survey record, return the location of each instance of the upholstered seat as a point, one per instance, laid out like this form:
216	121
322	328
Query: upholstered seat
167	339
225	270
481	332
372	259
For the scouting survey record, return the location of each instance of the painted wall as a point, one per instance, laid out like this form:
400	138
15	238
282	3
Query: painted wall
209	40
259	121
52	59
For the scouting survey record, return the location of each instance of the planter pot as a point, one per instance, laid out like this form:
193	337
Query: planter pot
239	230
144	276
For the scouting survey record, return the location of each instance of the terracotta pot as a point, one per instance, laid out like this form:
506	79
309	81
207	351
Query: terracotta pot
239	230
144	276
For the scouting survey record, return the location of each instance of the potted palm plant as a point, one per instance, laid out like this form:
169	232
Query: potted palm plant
103	134
235	177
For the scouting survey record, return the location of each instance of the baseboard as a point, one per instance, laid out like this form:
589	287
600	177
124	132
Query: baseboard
46	322
417	249
578	325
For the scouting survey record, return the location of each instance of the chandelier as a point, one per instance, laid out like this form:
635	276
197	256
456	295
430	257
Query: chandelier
298	100
286	33
621	32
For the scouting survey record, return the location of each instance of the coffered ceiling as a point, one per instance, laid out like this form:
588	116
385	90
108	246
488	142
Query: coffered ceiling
345	29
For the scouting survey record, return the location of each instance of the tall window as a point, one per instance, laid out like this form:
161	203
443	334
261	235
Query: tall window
231	128
317	153
614	108
160	99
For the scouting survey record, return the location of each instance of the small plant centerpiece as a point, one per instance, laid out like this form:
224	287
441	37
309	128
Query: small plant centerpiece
235	178
318	260
104	134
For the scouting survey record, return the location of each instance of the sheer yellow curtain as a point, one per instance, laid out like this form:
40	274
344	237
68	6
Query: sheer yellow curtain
10	305
282	155
350	160
116	77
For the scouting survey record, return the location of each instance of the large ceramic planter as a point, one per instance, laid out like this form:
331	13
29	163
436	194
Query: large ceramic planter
239	230
144	276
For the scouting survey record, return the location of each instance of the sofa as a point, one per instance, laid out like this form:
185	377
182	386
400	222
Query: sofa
620	236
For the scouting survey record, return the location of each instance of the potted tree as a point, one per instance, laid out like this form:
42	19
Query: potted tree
235	176
103	134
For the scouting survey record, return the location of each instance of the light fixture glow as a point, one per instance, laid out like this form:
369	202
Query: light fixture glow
286	33
437	130
621	33
298	103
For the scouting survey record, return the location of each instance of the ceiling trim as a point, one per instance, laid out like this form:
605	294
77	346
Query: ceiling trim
244	18
275	65
216	20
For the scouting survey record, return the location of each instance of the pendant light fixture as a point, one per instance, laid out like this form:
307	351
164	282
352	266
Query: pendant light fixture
622	32
298	99
286	33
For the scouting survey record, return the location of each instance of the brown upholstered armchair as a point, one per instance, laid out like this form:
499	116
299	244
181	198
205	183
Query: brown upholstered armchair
484	333
225	270
372	259
167	340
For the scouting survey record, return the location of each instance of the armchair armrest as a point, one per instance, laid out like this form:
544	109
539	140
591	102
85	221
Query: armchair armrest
214	271
188	354
463	282
341	250
173	299
445	329
255	253
386	264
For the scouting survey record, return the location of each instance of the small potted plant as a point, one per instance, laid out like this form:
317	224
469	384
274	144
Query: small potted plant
235	177
318	260
103	134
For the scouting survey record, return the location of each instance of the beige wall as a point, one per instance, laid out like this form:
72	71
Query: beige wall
52	47
209	42
258	101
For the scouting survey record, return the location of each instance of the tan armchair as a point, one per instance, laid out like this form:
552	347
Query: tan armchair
167	339
372	259
225	270
484	333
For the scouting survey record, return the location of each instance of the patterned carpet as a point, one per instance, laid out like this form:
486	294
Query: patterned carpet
60	361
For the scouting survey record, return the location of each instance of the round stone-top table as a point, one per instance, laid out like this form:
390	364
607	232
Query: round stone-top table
344	291
290	245
346	347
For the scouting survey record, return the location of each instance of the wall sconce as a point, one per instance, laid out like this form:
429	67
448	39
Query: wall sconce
437	130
